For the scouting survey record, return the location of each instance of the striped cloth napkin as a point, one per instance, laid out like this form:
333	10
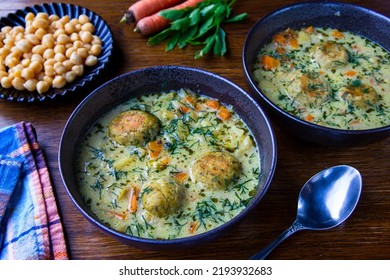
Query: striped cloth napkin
30	226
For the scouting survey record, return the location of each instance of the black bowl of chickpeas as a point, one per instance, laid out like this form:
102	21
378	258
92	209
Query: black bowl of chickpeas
49	50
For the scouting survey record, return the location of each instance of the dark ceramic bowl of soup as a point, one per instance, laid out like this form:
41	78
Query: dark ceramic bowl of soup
202	137
321	71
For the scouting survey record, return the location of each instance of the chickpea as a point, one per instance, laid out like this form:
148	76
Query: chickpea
37	57
68	64
59	49
78	70
69	51
19	37
83	52
69	28
74	21
86	36
33	39
75	58
16	30
38	49
40	23
11	61
88	27
53	18
6	29
65	19
17	83
83	19
29	16
49	62
96	40
74	37
59	68
63	39
57	24
70	76
28	73
27	55
42	86
24	45
30	85
17	73
59	57
30	30
40	33
42	16
8	43
59	32
4	51
48	79
3	74
6	82
25	62
78	44
49	70
59	82
36	66
48	53
16	52
48	41
78	27
96	49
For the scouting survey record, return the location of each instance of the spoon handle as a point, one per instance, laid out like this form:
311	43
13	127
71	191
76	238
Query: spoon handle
296	226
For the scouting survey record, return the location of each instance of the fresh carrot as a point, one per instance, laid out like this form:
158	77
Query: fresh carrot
269	63
144	8
155	148
181	177
213	104
155	23
133	199
223	113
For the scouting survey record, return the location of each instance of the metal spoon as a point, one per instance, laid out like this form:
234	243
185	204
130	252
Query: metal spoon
325	201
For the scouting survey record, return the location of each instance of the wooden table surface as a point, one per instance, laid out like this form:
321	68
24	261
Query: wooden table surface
365	235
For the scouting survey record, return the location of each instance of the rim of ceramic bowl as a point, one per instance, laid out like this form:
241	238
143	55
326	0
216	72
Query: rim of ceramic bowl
185	240
334	6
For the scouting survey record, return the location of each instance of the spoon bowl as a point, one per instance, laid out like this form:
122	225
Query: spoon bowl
325	201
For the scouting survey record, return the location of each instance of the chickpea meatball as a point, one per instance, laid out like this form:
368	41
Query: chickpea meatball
308	88
134	127
215	170
162	197
362	96
329	55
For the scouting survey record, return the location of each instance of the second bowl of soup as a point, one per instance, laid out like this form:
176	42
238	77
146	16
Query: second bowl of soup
321	73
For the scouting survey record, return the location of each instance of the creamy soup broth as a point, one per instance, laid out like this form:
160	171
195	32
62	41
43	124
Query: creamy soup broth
156	186
328	77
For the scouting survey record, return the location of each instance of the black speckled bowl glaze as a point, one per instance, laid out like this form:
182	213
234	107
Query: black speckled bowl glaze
343	16
152	80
